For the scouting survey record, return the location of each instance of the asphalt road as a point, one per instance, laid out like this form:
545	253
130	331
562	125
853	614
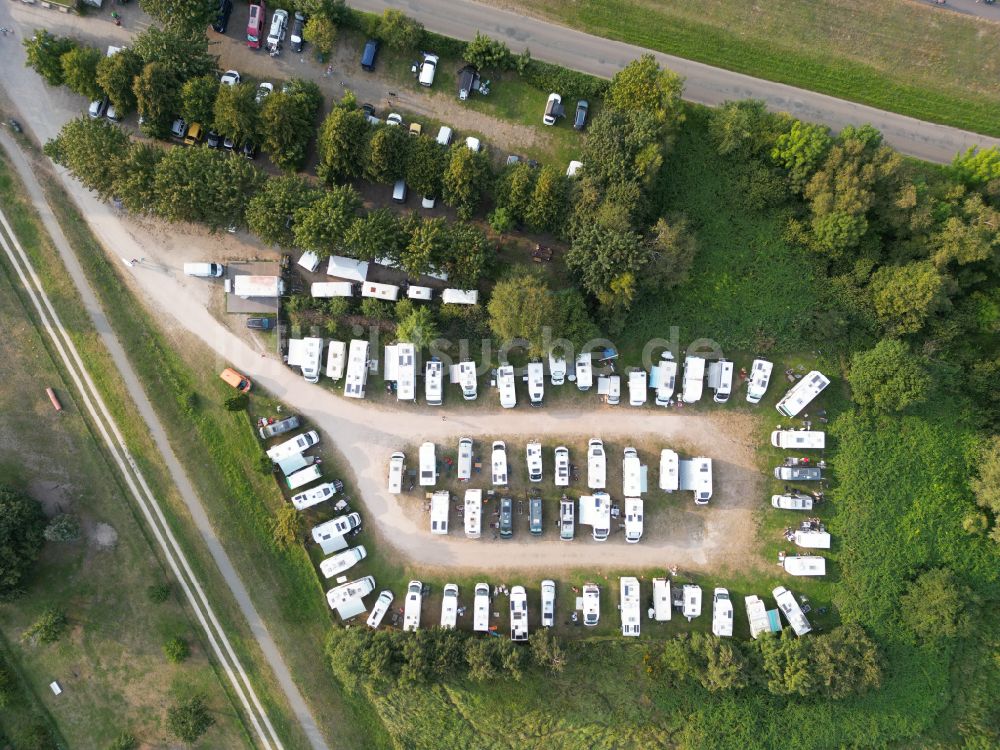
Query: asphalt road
703	83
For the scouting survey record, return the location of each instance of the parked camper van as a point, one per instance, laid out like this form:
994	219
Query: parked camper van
798	439
279	26
720	380
295	445
722	613
798	474
548	603
566	519
694	379
473	513
499	463
481	608
591	604
401	366
209	270
303	477
610	388
800	394
562	466
333	566
536	383
357	369
306	354
428	465
411	608
631	473
633	519
637	388
397	463
347	598
464	373
464	459
506	518
595	511
379	609
432	382
630	606
792	502
692	601
790	608
760	620
518	614
663	377
557	369
336	354
696	476
584	372
662	603
240	382
535	516
760	376
804	565
440	502
596	464
315	496
505	384
330	534
449	606
534	455
255	25
274	429
669	477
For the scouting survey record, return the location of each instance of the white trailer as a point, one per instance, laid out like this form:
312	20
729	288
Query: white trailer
379	609
440	502
464	459
631	473
669	472
596	464
428	465
633	519
309	261
562	466
449	606
346	599
630	606
584	372
330	534
760	619
792	502
534	459
595	511
811	538
473	513
557	369
326	289
663	377
464	374
722	613
347	268
294	446
720	380
804	565
609	387
433	390
799	439
505	384
760	376
306	354
694	379
388	292
303	477
406	371
318	494
397	464
481	608
536	383
411	608
499	462
460	297
424	293
357	369
335	356
792	611
637	388
662	604
800	394
518	614
692	601
333	566
258	286
696	476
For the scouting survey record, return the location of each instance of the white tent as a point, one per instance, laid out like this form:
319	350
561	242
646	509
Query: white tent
347	268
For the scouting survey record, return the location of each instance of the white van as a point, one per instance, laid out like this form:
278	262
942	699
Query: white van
694	379
631	473
326	289
293	446
396	467
534	457
399	191
798	439
669	477
720	379
439	512
760	376
536	383
499	461
210	270
633	519
315	496
584	372
411	609
664	379
381	606
303	477
333	566
800	394
562	466
557	369
432	382
505	384
637	388
309	261
444	136
481	608
279	23
428	465
596	464
449	606
427	70
335	357
464	459
464	373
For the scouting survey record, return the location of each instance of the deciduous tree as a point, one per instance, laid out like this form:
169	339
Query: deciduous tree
977	166
236	113
985	484
905	296
522	307
270	213
425	166
399	31
417	327
934	606
321	33
743	128
644	86
342	143
92	150
198	97
44	55
157	97
515	187
189	718
116	76
378	234
488	54
189	16
321	225
546	211
22	524
599	256
801	151
287	122
80	71
184	54
428	244
673	249
387	154
465	180
889	377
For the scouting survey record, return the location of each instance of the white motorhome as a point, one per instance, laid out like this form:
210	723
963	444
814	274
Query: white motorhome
692	601
381	606
332	567
518	614
440	501
534	459
473	514
595	511
557	369
637	388
800	394
464	374
306	354
663	377
760	376
591	604
662	604
567	519
505	384
303	477
327	289
499	461
481	608
804	565
584	372
294	446
562	466
669	472
397	464
536	383
258	286
411	608
357	369
464	472
631	473
347	598
449	606
401	368
761	621
792	502
811	538
433	390
720	380
335	356
315	496
548	603
722	613
633	519
388	292
694	379
423	293
347	268
630	607
696	476
610	388
799	439
330	534
460	297
596	464
428	465
790	608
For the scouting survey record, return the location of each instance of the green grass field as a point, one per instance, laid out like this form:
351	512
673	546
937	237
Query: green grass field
901	56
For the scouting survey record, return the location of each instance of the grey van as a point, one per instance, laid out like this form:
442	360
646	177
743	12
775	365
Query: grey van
369	54
535	516
506	518
279	428
399	191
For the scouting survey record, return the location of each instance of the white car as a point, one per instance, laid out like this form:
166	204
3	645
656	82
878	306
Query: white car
444	136
264	91
427	70
449	606
473	144
230	78
548	603
553	109
382	605
428	201
394	118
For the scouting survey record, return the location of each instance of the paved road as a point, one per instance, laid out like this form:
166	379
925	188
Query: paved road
703	83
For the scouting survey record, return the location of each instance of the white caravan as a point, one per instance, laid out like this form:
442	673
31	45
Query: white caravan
449	606
630	607
330	534
662	604
759	618
631	473
401	368
464	471
428	465
637	388
534	458
473	514
791	610
303	477
335	357
536	383
432	382
518	614
316	495
610	388
562	466
397	464
379	609
798	439
294	446
663	377
557	369
720	380
387	292
722	613
548	603
792	502
424	293
306	354
591	604
357	369
481	608
669	472
595	511
460	296
347	598
332	567
760	376
439	512
411	608
633	519
326	289
258	286
505	384
696	476
804	565
692	601
566	519
584	372
596	464
694	379
812	538
800	394
464	374
499	462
